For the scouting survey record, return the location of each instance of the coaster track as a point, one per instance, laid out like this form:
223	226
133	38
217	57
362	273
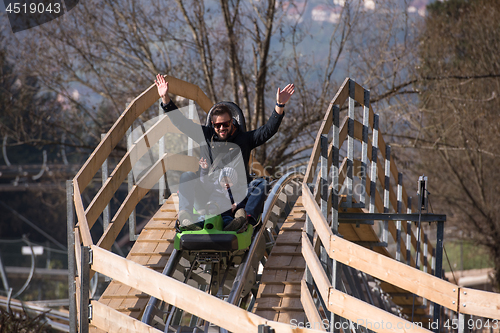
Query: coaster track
304	245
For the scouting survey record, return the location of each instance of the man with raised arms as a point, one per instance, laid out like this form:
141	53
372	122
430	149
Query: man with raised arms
225	130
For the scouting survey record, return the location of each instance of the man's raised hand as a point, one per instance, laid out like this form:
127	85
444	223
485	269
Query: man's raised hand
282	96
162	87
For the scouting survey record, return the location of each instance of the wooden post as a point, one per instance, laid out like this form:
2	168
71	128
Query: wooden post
408	234
71	256
131	218
438	269
364	146
84	290
335	170
387	185
161	150
398	223
324	193
373	169
350	145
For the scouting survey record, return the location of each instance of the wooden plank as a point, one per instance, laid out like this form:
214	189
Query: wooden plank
394	272
137	295
359	93
118	130
381	267
309	306
181	295
188	90
315	267
121	217
284	268
325	126
140	104
78	252
280	295
268	288
137	193
160	224
289	236
275	261
294	318
80	214
317	218
138	149
115	303
163	240
110	320
369	316
257	168
479	303
151	235
347	231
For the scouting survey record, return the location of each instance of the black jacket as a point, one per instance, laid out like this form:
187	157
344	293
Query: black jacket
245	140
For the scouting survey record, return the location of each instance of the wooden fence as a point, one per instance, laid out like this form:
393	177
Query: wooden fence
323	200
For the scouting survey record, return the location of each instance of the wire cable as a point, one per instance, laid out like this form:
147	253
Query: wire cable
444	248
34	226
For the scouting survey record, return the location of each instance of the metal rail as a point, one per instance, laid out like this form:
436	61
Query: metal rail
169	269
269	203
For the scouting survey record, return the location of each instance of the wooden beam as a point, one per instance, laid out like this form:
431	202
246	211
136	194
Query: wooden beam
138	149
359	93
80	214
325	126
316	217
379	266
256	167
78	252
182	295
315	267
309	307
110	320
359	312
479	303
369	316
140	104
394	170
188	90
171	162
111	233
394	272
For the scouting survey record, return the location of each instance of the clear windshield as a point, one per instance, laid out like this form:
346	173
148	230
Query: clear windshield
207	173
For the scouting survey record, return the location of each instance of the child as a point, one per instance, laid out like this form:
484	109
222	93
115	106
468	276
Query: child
235	217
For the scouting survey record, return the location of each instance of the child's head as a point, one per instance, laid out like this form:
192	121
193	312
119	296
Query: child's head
228	177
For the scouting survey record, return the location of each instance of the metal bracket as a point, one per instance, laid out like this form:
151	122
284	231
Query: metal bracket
266	329
90	311
371	244
352	205
91	257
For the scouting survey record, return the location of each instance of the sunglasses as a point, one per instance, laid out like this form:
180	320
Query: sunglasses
225	124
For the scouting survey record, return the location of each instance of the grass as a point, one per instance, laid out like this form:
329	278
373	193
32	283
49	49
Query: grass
474	256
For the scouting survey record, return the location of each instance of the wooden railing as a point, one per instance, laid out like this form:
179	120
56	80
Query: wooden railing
87	216
383	175
325	218
93	256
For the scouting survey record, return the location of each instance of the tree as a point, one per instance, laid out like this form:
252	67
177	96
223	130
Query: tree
459	115
234	50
